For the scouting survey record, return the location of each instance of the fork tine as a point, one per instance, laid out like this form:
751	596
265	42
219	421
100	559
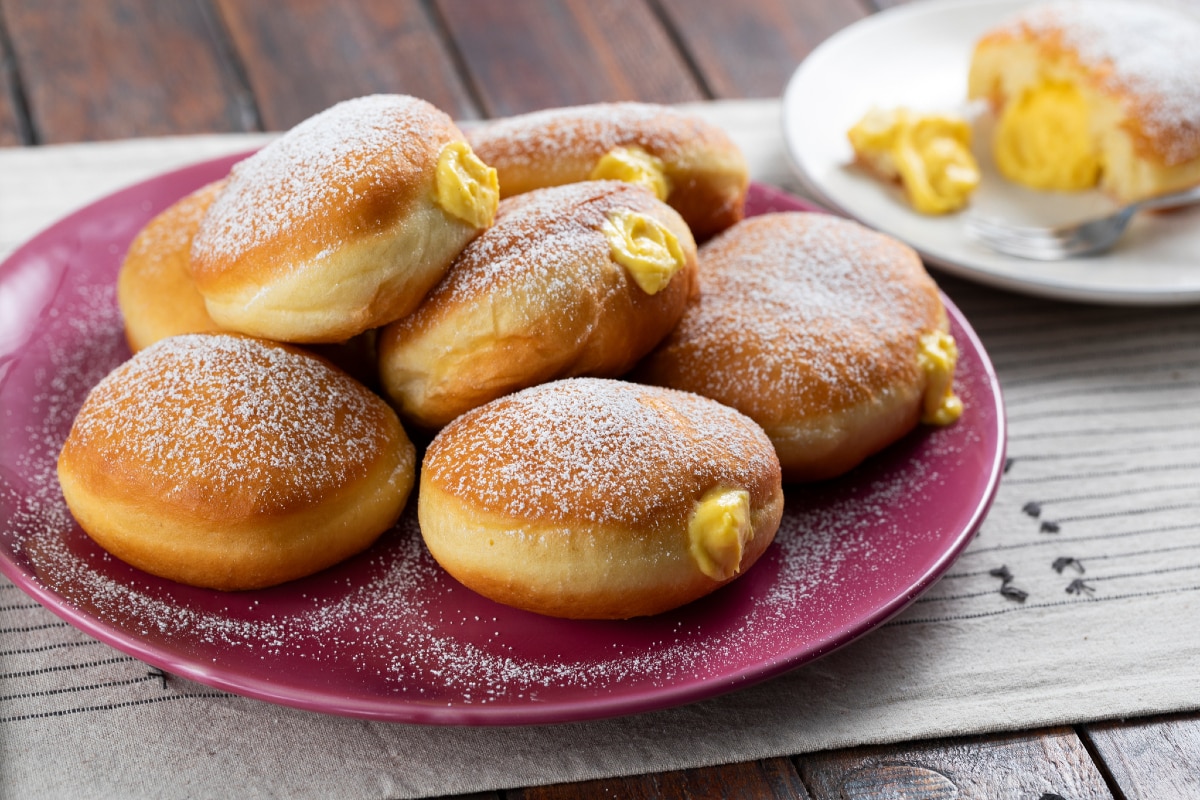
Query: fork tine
1043	244
1082	238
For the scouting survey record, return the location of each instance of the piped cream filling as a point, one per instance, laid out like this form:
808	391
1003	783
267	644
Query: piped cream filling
938	357
633	165
466	187
718	531
645	247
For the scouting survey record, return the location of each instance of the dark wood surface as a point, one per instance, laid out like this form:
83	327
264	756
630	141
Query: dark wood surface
84	70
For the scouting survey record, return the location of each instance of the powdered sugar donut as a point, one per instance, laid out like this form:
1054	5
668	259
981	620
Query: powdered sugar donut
829	335
1105	91
234	463
581	279
343	223
691	164
600	499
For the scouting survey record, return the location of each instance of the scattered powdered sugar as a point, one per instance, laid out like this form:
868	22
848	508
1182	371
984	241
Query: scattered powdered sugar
391	622
1146	50
329	165
809	309
393	618
231	417
396	617
598	450
542	260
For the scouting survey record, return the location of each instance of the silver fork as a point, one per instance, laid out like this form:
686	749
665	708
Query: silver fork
1066	241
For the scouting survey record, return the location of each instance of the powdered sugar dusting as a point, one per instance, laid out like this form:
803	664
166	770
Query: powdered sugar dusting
800	310
539	260
599	450
331	164
542	137
252	421
390	630
170	233
393	615
1144	49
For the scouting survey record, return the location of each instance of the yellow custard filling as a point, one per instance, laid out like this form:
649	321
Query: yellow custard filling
937	355
718	531
466	187
645	247
929	154
633	165
1044	139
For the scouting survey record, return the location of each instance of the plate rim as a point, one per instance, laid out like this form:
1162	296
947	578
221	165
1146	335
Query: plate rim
1037	286
406	709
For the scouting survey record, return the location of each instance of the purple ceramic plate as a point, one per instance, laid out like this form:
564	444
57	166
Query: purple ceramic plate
388	635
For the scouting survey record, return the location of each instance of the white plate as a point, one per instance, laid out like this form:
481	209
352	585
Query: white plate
917	56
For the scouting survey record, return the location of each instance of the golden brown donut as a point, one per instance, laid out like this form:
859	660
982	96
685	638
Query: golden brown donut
582	279
590	498
343	223
230	462
829	335
706	176
1104	90
155	291
158	298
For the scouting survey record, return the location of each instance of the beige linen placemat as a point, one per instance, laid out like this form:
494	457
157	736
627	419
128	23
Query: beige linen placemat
1078	600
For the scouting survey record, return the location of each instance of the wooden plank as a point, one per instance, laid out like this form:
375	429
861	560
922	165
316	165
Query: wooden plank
302	56
104	69
1150	758
769	778
1043	766
751	49
12	131
524	55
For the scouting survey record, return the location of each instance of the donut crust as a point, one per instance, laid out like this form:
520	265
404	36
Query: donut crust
810	325
538	296
706	169
155	291
233	463
572	499
334	228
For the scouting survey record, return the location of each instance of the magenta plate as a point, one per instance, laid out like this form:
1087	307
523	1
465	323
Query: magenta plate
388	635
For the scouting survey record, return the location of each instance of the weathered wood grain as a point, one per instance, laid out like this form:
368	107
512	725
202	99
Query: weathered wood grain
302	56
1040	766
751	49
12	131
757	780
1150	758
524	55
105	69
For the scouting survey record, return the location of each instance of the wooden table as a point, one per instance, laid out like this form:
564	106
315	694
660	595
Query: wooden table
82	70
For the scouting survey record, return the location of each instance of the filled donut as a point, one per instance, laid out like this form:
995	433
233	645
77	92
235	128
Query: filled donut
343	223
230	462
829	335
582	279
691	164
599	499
1104	92
155	291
